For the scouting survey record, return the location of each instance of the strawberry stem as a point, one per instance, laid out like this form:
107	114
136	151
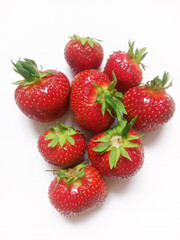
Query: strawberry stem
84	40
116	141
158	84
109	99
71	175
27	68
138	55
60	134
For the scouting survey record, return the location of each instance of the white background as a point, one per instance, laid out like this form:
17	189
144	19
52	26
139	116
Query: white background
146	206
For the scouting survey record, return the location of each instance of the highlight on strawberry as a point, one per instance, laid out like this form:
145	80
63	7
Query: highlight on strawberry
95	101
118	152
127	67
41	95
76	190
62	145
150	102
83	53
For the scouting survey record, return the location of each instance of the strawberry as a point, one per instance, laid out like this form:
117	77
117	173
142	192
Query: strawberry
77	190
83	53
62	145
117	153
152	105
42	95
95	101
126	66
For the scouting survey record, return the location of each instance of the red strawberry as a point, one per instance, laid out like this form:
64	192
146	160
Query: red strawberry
83	53
126	66
77	190
94	100
42	95
117	153
62	145
152	105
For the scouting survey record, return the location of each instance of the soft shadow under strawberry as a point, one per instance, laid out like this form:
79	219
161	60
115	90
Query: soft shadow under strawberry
151	138
118	185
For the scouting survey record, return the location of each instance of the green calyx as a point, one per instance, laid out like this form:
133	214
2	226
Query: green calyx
71	175
109	99
116	141
60	134
158	84
138	55
27	68
84	40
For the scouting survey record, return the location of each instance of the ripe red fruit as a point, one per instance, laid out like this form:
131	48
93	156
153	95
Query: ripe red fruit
152	105
42	95
62	145
117	153
126	66
77	190
94	100
83	53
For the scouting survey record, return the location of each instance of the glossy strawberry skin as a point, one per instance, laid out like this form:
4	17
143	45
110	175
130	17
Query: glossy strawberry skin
66	156
152	108
86	193
83	57
128	73
82	101
46	100
124	168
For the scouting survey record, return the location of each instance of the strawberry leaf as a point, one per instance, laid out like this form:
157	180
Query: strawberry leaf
70	139
108	98
120	105
70	181
113	105
81	173
114	157
103	107
62	140
165	78
27	68
61	133
128	144
102	147
138	56
50	135
62	174
103	139
81	165
19	82
158	84
118	95
128	127
90	42
58	181
125	153
113	83
84	40
54	142
134	137
117	130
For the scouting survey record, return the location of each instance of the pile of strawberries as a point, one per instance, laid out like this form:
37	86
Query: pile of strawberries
96	100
